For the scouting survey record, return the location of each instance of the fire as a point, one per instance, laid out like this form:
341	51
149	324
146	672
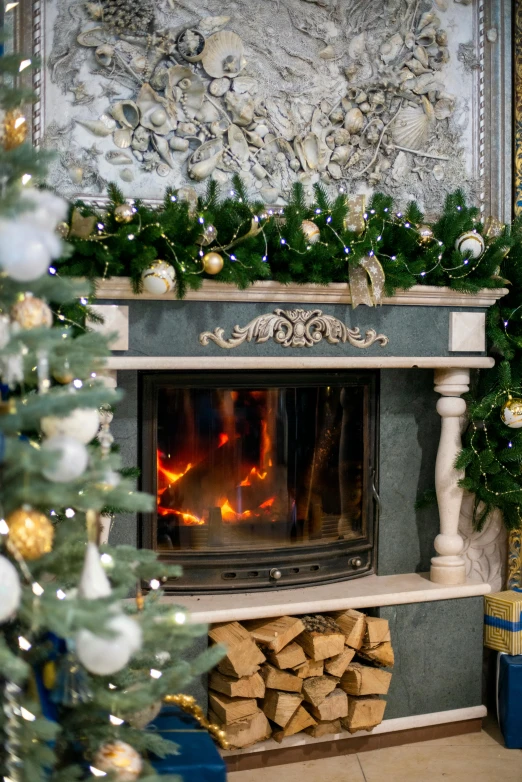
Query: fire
268	503
254	473
190	520
223	439
171	476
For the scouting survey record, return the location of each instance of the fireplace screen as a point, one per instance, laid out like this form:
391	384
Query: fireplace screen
260	479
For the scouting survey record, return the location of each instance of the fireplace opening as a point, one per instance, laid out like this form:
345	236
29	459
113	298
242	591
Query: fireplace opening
262	480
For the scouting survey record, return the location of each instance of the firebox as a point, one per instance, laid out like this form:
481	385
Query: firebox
261	479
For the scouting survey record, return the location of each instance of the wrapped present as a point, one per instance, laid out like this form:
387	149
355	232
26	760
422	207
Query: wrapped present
509	696
503	621
197	758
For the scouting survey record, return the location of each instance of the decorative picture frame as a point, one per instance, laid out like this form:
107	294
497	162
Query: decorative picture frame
482	61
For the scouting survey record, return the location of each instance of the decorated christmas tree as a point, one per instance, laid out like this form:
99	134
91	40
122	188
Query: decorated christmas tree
82	670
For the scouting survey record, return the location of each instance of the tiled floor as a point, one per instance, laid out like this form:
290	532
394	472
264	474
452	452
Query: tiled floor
476	757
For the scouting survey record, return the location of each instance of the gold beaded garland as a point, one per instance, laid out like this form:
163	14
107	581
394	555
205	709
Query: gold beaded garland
123	213
212	263
425	234
30	533
31	313
311	231
188	704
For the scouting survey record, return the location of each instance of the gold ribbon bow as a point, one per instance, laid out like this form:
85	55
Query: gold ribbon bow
367	279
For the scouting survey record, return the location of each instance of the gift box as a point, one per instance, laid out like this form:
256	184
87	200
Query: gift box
197	758
509	698
503	621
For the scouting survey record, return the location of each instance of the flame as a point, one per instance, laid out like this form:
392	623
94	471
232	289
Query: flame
171	476
223	438
190	520
268	503
254	473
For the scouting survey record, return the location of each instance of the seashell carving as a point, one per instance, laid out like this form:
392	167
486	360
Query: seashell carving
428	18
308	150
209	24
208	113
335	170
96	36
163	170
179	144
160	77
161	145
117	158
191	44
341	137
438	172
261	130
341	155
425	83
237	143
258	171
104	55
99	127
354	120
421	56
391	48
122	138
411	128
269	194
254	138
241	107
218	87
416	67
224	55
187	129
244	84
127	113
153	111
140	139
205	159
191	86
219	127
444	107
127	174
337	116
427	37
328	53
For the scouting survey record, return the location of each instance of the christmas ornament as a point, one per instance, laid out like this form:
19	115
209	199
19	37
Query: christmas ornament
141	718
105	656
81	226
159	278
46	209
493	227
10	589
24	251
120	760
426	234
70	460
82	424
311	231
471	244
208	236
62	229
30	533
123	213
63	374
14	130
31	313
511	413
212	263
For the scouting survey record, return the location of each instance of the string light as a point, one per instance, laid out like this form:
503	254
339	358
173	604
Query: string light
70	513
60	594
155	674
97	772
23	643
37	589
4	529
23	65
155	584
115	720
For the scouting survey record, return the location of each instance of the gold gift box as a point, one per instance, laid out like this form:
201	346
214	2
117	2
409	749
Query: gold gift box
503	621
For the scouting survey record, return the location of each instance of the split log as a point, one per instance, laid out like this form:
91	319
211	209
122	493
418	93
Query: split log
324	729
353	625
320	646
275	634
247	731
280	707
362	680
299	721
364	713
333	707
276	679
246	687
380	655
309	668
243	656
337	665
289	657
377	631
317	688
231	709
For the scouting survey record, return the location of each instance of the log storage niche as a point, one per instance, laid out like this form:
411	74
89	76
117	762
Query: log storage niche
320	674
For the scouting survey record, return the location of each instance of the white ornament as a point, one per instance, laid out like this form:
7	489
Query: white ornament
106	656
45	210
82	424
93	581
10	589
120	760
159	278
24	254
471	244
71	459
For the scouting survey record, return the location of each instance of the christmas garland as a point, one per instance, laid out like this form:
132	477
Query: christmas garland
238	241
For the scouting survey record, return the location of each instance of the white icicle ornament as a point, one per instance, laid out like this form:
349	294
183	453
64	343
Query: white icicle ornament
10	589
82	424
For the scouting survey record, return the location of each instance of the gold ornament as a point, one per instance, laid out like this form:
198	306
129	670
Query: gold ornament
120	760
311	231
31	313
30	533
492	227
14	129
63	374
82	227
159	277
511	413
123	213
208	236
212	263
425	234
49	675
62	229
187	703
471	244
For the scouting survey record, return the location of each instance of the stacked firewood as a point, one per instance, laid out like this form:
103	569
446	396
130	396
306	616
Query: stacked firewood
320	674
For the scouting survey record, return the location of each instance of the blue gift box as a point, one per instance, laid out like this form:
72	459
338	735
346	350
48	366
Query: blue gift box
198	757
509	693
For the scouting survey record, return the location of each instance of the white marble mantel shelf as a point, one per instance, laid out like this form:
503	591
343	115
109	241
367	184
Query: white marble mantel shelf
366	592
297	362
334	293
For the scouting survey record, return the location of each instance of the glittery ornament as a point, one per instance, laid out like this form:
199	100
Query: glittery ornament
30	533
159	278
123	213
14	131
63	374
471	244
62	229
493	228
511	413
212	263
120	760
31	313
426	234
208	236
311	231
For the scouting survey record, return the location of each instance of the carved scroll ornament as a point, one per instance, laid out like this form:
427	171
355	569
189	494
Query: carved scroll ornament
294	329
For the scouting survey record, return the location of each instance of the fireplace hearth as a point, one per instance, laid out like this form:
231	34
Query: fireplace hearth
262	480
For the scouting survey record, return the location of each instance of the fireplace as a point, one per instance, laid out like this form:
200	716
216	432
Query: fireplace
262	479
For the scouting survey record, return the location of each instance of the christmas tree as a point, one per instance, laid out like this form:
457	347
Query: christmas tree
82	671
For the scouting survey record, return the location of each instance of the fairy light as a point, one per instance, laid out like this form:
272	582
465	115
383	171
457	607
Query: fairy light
131	237
19	121
180	618
4	529
347	250
329	219
115	720
23	65
155	674
70	513
97	772
264	258
283	241
233	257
77	383
38	590
201	220
52	270
26	178
10	6
23	643
154	583
112	686
107	560
318	211
510	444
27	715
60	594
83	301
